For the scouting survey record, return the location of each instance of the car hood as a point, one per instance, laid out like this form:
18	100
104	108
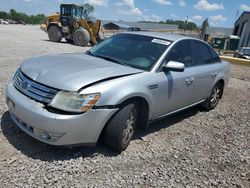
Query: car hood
73	71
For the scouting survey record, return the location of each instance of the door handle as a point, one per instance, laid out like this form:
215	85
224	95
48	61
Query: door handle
189	81
214	74
153	86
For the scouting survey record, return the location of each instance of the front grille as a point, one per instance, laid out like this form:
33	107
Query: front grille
32	89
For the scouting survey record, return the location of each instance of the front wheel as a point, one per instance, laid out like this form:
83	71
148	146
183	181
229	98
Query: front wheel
81	37
121	128
214	97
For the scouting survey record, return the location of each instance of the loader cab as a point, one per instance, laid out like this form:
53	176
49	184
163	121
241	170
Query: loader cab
70	12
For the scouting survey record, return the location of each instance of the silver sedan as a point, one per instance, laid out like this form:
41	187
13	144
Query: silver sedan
126	81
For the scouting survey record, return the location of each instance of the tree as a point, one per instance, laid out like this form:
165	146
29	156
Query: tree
20	17
88	10
182	24
4	15
13	14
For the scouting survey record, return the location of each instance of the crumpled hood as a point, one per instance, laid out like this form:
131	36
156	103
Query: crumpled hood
72	71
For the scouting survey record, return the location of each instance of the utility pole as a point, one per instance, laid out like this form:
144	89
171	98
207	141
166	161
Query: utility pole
185	24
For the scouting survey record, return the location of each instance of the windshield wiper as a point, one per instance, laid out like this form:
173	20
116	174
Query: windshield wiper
107	58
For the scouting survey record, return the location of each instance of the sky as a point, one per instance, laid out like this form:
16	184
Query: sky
220	13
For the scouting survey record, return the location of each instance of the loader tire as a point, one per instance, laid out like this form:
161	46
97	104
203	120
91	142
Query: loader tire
55	34
81	37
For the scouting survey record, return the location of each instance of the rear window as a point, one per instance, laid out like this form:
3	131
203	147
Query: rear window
246	51
215	57
204	54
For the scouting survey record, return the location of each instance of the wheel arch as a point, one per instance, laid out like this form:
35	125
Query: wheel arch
143	109
222	82
54	24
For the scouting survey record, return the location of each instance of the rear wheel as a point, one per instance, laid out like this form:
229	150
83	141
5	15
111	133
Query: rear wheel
55	33
121	128
214	97
81	37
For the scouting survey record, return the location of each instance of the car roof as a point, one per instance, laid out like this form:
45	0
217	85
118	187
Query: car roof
166	36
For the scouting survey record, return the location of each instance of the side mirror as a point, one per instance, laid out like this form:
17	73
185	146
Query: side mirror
173	66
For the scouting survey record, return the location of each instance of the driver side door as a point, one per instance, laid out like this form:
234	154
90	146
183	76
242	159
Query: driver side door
176	89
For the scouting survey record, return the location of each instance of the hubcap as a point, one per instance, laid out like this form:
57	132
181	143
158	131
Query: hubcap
80	38
55	33
215	96
129	129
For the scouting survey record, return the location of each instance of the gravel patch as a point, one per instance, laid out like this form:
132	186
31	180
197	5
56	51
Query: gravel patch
190	149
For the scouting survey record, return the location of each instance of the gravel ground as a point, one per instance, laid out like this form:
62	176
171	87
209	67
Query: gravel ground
191	149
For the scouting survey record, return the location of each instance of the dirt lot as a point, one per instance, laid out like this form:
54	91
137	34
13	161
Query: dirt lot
191	149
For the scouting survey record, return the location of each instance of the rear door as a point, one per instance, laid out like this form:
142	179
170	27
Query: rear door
205	68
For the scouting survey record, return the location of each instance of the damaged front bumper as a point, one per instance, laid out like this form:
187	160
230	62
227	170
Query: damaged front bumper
52	128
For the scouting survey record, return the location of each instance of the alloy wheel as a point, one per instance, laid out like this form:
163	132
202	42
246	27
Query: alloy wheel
215	97
129	127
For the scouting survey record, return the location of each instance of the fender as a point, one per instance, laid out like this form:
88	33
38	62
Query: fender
116	91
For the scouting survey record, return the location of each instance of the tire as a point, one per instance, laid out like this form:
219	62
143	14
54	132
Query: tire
69	40
81	37
55	33
121	128
214	97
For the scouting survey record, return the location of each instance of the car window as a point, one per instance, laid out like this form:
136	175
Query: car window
181	52
215	57
246	51
202	53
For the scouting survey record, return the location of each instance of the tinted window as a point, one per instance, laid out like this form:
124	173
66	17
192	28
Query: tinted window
215	57
181	52
202	53
65	11
246	51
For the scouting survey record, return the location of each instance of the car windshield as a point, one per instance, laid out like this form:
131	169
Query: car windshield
246	51
132	50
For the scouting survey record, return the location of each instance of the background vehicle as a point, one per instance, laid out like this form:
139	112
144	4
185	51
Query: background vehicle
72	25
128	80
134	29
4	22
243	52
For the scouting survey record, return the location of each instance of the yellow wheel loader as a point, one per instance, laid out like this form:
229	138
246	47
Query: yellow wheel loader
72	25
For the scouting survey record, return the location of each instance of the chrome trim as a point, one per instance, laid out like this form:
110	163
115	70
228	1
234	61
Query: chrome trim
32	89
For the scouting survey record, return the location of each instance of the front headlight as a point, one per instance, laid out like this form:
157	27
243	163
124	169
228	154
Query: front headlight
74	102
